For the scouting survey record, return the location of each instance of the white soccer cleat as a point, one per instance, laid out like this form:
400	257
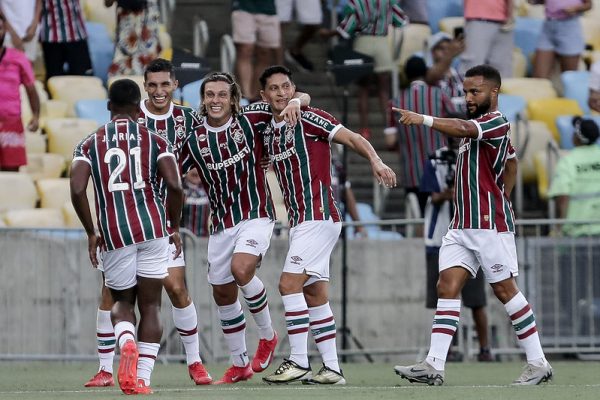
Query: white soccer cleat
533	375
327	376
421	373
288	372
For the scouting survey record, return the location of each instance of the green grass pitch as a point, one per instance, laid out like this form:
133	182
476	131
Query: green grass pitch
464	381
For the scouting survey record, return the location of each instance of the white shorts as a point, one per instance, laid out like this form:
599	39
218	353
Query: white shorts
495	253
179	261
308	12
147	259
252	236
311	244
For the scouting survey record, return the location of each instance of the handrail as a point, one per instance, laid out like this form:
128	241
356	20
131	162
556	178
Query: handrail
227	53
200	37
167	7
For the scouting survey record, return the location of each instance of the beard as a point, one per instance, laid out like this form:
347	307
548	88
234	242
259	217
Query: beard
481	109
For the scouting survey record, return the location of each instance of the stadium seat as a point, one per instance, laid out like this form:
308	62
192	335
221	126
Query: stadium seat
591	31
93	109
191	94
414	40
519	63
18	191
547	110
448	24
512	106
70	89
101	47
374	231
166	43
35	218
528	88
575	86
526	33
565	128
65	133
96	11
44	165
535	137
139	79
35	143
545	169
53	193
436	10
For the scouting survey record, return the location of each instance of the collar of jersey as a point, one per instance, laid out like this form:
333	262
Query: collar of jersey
156	116
218	128
278	125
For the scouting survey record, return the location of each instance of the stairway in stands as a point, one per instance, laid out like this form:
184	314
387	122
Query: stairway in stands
318	84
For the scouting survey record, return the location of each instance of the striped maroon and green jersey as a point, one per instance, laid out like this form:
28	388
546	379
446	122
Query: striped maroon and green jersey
124	165
371	17
62	21
228	161
479	198
301	158
417	142
176	125
196	209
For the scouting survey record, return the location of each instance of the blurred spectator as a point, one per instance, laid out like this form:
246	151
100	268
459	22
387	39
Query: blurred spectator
22	18
308	13
416	11
15	70
137	42
196	210
488	35
344	194
416	142
255	31
370	20
438	183
576	183
442	49
64	38
561	36
594	97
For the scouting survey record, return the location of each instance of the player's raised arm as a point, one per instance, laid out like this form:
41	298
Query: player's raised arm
384	174
449	126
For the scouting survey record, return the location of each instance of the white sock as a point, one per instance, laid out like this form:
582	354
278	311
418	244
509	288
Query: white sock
233	324
523	321
105	335
148	353
322	326
124	331
296	318
186	322
255	295
445	323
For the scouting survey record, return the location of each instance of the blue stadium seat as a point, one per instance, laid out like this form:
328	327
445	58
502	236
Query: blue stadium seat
93	109
191	94
575	86
511	106
565	128
526	33
438	9
374	231
101	48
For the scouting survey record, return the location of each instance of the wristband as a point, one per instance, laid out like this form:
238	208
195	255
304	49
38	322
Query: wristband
295	99
428	120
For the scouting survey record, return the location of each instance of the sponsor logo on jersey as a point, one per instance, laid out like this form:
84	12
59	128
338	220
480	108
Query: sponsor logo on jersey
202	137
464	147
497	268
204	151
179	118
296	260
252	243
285	155
141	121
314	118
229	161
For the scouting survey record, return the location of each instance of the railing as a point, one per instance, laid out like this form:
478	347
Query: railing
227	54
200	37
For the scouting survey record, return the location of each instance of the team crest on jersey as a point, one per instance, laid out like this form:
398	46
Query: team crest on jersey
289	133
237	135
180	131
141	121
204	151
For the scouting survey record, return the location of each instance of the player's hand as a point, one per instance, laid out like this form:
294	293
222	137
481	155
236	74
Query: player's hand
93	249
175	238
265	162
292	113
360	232
33	125
384	174
408	117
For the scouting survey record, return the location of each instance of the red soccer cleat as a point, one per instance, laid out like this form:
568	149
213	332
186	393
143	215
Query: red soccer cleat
235	374
128	368
199	374
101	379
142	388
264	353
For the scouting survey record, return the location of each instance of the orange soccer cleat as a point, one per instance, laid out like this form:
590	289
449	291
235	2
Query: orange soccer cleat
264	353
101	379
235	374
128	368
199	374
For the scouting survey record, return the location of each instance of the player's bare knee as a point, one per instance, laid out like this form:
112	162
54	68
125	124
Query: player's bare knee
243	272
504	292
448	289
179	296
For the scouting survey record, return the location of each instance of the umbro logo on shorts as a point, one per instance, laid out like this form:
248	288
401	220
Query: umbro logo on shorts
251	243
296	260
497	268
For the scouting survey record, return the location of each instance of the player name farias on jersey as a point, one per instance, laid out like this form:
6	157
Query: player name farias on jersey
301	158
227	159
124	160
479	198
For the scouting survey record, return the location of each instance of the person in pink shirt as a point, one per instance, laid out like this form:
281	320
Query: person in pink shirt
15	70
561	36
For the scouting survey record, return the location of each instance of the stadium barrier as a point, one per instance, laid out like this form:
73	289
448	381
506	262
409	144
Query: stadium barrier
49	296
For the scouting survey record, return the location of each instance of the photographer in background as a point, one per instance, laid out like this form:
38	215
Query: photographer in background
438	183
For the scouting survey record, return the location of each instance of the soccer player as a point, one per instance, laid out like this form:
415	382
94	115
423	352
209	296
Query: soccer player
481	233
301	156
174	123
127	163
226	150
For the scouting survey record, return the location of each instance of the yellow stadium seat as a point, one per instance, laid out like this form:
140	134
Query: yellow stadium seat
533	136
524	9
71	218
591	31
35	143
448	24
546	110
53	192
26	112
414	39
139	79
166	43
44	165
519	63
70	89
545	169
96	11
35	218
529	88
18	191
65	133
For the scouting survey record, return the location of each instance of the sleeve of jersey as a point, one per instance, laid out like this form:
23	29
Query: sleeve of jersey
327	123
186	161
429	182
81	151
562	180
399	18
491	126
349	23
512	153
165	149
257	112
